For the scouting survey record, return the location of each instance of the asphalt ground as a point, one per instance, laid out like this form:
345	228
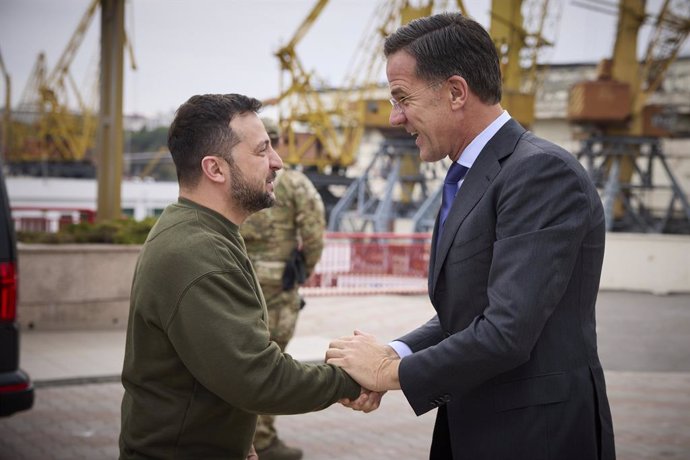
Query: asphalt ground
644	343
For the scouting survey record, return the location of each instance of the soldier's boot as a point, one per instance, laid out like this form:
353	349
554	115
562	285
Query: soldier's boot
277	450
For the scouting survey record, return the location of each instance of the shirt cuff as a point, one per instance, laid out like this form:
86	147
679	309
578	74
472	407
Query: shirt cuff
400	348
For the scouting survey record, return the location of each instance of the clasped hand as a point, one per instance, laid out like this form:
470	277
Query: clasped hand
373	365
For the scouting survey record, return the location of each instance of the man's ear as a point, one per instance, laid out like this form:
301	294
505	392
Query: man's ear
212	167
459	91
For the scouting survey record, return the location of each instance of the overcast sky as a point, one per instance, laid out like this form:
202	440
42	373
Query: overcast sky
186	47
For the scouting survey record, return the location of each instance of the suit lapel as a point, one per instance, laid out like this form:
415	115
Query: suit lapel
432	258
478	179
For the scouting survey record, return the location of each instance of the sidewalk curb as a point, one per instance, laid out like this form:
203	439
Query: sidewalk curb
48	383
76	381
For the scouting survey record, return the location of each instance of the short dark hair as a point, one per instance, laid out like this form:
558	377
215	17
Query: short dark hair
448	44
202	127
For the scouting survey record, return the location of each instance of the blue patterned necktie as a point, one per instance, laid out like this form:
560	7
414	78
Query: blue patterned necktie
450	187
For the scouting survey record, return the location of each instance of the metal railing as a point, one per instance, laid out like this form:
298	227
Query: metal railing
48	219
371	263
352	263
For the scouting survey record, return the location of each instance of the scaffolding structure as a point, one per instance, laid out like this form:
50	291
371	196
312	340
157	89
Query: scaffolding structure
652	180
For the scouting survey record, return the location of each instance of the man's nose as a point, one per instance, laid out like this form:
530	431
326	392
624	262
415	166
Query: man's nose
397	117
274	160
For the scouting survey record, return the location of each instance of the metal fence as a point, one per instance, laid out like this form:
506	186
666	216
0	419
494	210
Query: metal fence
352	263
48	219
371	263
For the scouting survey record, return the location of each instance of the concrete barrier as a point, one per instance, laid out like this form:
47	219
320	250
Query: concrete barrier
75	286
86	286
654	263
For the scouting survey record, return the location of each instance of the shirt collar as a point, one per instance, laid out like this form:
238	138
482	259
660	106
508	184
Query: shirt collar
472	151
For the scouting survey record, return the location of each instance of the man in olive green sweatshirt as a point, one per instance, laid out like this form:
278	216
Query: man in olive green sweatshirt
199	364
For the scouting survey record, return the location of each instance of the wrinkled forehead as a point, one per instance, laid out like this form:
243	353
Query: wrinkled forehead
401	71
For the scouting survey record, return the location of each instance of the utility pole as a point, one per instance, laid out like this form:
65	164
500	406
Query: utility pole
110	137
7	115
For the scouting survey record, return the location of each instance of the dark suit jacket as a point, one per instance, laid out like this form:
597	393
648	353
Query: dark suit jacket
511	355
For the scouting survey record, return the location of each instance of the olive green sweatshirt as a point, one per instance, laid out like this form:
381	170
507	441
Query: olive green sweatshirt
199	364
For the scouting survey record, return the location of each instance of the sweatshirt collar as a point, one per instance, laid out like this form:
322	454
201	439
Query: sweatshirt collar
214	218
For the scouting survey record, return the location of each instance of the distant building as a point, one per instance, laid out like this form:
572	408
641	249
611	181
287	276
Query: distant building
137	122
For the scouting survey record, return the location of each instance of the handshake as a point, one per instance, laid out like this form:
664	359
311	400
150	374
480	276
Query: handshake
371	364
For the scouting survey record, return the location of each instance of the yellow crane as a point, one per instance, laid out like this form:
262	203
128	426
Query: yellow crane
302	103
519	29
57	119
615	101
65	136
322	128
621	142
61	133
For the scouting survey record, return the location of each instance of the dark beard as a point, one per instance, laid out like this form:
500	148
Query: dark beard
245	196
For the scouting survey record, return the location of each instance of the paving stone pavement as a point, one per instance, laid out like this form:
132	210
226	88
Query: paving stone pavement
647	371
651	414
67	422
651	421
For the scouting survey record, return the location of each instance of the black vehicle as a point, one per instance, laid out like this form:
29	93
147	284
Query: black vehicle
16	389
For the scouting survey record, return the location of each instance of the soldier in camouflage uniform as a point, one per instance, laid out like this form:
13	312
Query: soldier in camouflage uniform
296	221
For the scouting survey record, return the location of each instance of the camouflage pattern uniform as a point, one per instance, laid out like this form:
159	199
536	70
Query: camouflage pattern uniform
297	219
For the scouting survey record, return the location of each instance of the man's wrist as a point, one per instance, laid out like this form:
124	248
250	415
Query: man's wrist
391	353
389	375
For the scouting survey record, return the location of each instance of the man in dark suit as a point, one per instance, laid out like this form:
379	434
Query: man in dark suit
510	359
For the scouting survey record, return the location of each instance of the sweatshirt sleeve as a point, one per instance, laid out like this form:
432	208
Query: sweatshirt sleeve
219	332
